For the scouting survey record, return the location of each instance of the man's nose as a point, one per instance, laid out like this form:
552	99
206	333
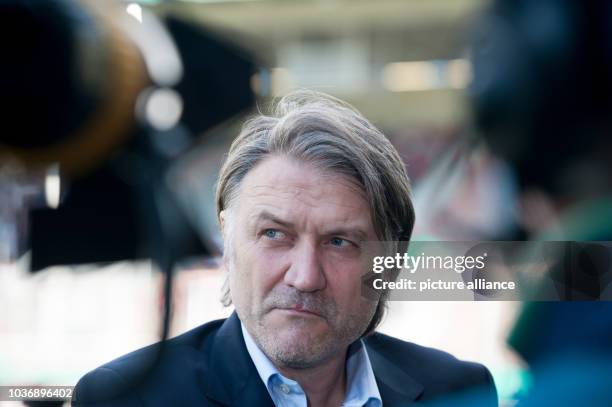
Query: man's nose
305	272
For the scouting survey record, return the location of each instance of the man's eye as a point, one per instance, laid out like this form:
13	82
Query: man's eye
339	242
273	234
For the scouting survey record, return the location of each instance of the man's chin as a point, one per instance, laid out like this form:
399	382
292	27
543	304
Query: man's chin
294	341
290	351
295	324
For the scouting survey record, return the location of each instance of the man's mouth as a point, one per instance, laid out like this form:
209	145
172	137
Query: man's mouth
300	309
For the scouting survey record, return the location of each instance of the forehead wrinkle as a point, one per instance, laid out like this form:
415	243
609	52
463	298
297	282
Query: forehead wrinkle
344	212
278	177
275	191
304	191
301	197
305	196
259	213
347	224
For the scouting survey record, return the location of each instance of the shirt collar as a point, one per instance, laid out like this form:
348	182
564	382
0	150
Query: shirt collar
362	389
361	383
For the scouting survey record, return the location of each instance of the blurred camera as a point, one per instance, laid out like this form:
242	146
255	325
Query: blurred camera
107	95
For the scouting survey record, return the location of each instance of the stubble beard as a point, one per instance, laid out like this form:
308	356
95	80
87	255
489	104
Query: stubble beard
297	347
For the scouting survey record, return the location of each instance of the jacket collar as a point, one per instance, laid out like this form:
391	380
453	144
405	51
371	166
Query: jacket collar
395	386
230	378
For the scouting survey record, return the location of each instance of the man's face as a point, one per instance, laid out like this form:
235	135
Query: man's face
295	267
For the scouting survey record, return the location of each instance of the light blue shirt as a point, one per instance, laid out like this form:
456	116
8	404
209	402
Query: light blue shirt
362	390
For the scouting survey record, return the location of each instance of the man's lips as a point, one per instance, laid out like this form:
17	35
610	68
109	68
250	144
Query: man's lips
300	309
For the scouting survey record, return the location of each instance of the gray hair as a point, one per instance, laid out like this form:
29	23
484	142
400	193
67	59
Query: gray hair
325	131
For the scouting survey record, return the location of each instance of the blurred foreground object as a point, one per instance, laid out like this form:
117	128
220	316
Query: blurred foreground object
110	100
101	103
542	91
542	94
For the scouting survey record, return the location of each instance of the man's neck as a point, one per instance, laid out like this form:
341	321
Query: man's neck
325	384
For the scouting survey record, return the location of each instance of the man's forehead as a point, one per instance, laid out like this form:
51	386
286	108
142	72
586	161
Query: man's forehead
290	190
282	177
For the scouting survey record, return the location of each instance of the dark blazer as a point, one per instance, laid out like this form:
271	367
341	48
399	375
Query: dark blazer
210	366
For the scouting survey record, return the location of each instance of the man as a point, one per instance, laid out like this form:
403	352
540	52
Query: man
299	193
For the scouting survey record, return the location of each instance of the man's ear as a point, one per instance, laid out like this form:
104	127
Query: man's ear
222	222
223	225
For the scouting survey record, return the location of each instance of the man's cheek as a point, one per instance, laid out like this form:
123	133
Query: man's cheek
271	270
350	283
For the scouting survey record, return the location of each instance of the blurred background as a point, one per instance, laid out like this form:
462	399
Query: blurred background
403	63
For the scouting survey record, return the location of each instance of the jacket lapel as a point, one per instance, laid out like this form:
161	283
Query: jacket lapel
228	375
395	386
